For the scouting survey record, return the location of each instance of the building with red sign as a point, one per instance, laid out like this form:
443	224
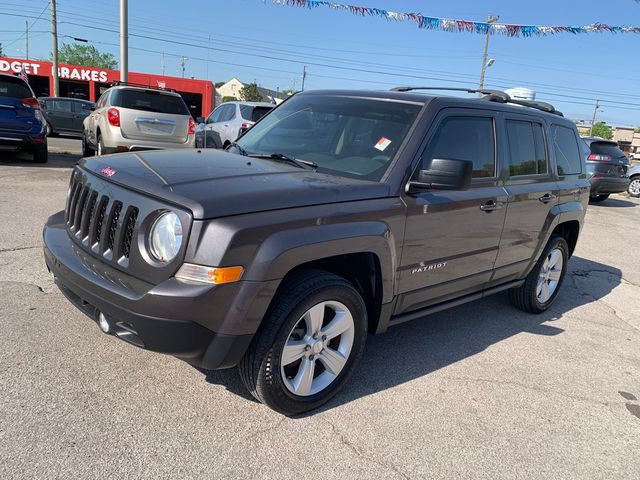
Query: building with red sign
88	83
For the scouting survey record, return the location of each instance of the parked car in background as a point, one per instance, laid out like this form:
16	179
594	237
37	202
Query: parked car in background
22	125
65	115
634	180
229	121
128	117
607	168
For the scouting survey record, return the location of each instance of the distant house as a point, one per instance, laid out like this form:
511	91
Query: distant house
233	87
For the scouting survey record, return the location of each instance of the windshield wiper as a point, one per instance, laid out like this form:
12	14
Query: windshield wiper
241	150
298	162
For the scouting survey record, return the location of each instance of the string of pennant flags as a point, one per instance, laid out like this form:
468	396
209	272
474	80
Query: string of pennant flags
453	25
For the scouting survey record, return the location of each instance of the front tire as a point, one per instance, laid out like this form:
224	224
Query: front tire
598	198
634	187
86	150
41	154
543	283
309	344
100	150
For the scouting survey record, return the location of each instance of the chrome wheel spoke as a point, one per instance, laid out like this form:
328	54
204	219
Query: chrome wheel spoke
333	360
554	275
313	318
304	379
545	292
554	257
340	324
293	350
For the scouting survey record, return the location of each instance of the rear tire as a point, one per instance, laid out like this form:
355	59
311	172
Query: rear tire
49	129
598	198
634	187
530	296
40	154
303	318
86	150
100	150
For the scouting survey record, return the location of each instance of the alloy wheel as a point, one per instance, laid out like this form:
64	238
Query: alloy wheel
550	275
634	187
317	348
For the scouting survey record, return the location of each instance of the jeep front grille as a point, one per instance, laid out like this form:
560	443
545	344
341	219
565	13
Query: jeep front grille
101	224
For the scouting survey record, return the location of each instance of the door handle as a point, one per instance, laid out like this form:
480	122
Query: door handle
547	197
491	205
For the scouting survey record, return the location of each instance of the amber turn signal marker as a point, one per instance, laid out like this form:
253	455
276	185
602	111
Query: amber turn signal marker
212	275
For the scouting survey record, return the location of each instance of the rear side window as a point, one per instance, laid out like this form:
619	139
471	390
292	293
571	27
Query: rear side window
527	153
149	101
253	114
605	148
465	138
565	146
14	87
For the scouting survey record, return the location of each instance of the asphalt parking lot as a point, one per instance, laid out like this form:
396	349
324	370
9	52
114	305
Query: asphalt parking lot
480	391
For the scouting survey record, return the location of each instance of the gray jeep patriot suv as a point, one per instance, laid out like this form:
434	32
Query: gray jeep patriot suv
340	213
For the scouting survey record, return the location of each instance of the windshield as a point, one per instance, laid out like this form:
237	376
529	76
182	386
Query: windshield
150	101
352	137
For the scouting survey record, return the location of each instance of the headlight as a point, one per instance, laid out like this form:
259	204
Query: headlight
165	237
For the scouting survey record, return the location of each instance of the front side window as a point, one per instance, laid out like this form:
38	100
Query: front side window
527	153
565	146
347	136
63	106
465	138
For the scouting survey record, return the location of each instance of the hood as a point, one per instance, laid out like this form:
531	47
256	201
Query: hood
214	183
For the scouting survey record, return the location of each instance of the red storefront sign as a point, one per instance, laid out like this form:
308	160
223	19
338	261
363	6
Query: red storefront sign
199	94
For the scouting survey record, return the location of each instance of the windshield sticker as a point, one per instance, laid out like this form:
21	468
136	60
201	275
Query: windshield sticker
382	144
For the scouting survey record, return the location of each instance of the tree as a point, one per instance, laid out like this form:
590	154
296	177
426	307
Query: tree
86	55
288	91
228	98
602	130
219	84
250	93
637	129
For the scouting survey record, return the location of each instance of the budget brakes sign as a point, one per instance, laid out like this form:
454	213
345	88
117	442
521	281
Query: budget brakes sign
66	73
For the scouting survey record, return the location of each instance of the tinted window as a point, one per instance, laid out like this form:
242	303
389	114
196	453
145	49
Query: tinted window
62	106
13	87
565	146
527	154
228	112
605	148
253	114
465	138
215	115
150	101
352	137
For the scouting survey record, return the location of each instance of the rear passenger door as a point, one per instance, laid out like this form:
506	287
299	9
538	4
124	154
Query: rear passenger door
61	115
533	192
452	237
570	165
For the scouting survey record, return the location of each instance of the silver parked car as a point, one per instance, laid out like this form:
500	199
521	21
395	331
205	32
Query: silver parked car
128	117
634	185
228	121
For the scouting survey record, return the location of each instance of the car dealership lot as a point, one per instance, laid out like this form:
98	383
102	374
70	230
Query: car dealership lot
480	391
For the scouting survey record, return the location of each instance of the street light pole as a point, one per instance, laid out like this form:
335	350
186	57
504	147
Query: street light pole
54	49
491	19
124	40
593	120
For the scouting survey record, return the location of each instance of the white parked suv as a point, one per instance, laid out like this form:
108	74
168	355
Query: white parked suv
128	117
228	121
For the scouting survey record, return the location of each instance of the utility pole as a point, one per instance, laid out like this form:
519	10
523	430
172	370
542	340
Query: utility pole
54	49
304	76
26	36
593	120
491	19
183	62
124	40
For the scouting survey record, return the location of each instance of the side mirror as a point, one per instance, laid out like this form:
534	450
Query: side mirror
199	119
92	108
443	174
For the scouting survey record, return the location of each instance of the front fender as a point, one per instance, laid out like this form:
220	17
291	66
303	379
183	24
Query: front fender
285	250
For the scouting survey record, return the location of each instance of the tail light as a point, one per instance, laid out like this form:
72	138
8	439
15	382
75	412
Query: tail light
594	157
30	102
113	116
247	124
192	126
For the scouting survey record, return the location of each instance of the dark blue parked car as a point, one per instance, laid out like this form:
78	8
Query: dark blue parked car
21	123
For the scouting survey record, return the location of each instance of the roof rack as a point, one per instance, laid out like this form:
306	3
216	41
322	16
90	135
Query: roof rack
491	96
140	85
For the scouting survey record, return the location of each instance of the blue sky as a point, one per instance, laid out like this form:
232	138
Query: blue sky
566	70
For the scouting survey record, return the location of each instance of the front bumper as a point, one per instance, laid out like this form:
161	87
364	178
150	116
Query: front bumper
606	185
158	318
